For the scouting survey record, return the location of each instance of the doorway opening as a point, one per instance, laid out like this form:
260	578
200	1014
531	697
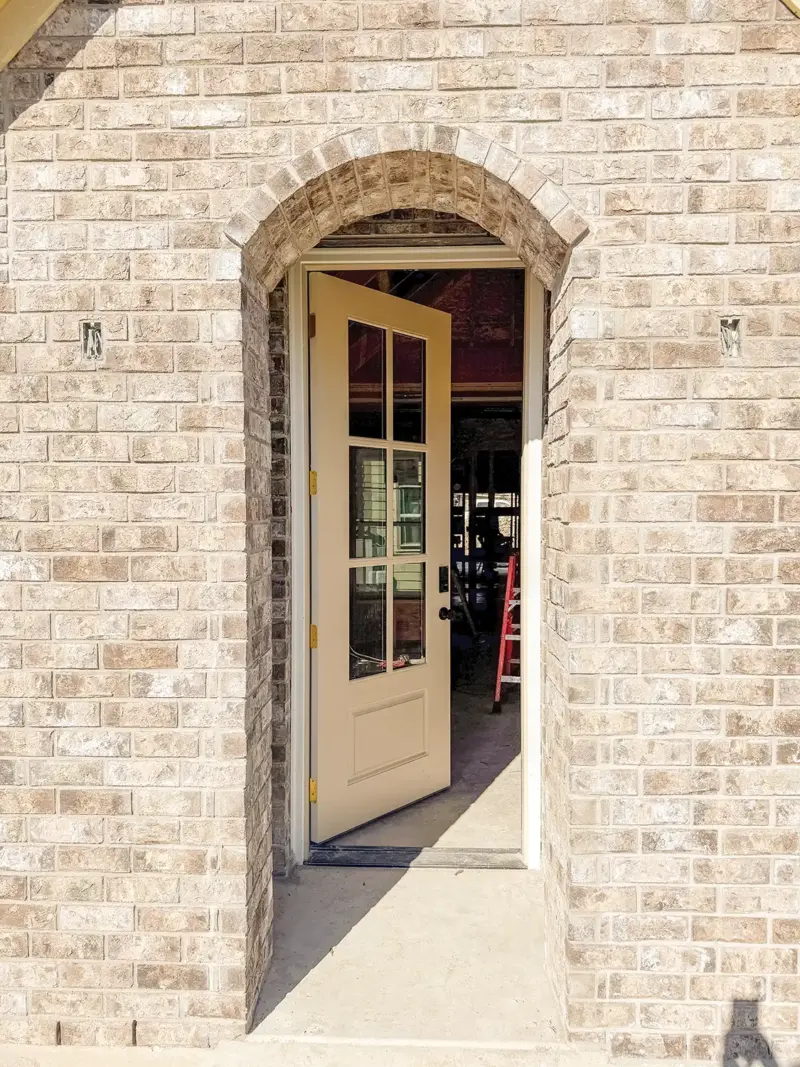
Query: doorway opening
294	225
476	819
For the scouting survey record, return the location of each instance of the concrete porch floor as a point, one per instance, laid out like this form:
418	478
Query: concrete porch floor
414	955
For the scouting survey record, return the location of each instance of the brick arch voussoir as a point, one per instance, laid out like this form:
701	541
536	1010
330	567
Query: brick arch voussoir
379	168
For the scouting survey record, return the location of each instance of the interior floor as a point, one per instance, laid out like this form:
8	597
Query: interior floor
409	955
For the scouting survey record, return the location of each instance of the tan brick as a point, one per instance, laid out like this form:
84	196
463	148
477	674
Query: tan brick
725	928
171	976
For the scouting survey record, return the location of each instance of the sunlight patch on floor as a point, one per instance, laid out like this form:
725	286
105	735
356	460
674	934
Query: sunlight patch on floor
493	819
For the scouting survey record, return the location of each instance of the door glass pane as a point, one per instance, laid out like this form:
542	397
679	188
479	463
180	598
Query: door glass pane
409	502
367	621
409	614
367	377
367	502
409	388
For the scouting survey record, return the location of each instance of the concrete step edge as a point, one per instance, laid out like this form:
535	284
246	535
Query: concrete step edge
311	1050
399	1042
322	1051
316	1051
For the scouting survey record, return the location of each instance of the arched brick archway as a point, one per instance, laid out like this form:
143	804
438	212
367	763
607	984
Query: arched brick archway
345	180
371	170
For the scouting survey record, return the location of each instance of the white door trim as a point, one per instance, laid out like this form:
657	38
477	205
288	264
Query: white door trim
456	258
531	590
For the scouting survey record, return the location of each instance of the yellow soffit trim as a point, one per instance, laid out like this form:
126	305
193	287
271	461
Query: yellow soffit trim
19	21
794	6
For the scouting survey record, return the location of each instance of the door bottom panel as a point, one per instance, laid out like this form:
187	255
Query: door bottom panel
389	735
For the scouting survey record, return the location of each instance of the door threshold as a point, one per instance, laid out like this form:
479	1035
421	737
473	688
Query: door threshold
406	856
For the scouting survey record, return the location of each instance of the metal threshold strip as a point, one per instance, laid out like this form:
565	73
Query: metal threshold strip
405	857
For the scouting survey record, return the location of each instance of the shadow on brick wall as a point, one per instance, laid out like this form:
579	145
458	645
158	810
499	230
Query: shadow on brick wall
78	42
744	1042
70	59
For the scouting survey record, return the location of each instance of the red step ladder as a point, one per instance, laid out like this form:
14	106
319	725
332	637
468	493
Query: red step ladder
508	655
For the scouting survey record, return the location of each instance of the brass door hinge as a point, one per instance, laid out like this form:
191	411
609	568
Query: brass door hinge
312	325
312	790
312	636
312	483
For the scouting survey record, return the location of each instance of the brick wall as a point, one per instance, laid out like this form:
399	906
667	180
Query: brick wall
257	741
124	885
280	596
143	496
3	205
556	684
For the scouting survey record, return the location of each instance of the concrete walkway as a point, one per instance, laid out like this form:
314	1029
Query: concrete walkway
430	955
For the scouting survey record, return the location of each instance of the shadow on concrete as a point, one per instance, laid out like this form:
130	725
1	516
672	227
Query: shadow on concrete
744	1042
311	919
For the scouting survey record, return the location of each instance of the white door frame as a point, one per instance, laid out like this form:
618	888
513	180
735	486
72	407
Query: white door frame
452	258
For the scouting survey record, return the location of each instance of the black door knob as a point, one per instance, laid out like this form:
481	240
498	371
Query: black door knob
446	614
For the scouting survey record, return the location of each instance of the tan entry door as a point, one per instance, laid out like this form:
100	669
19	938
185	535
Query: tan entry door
380	537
